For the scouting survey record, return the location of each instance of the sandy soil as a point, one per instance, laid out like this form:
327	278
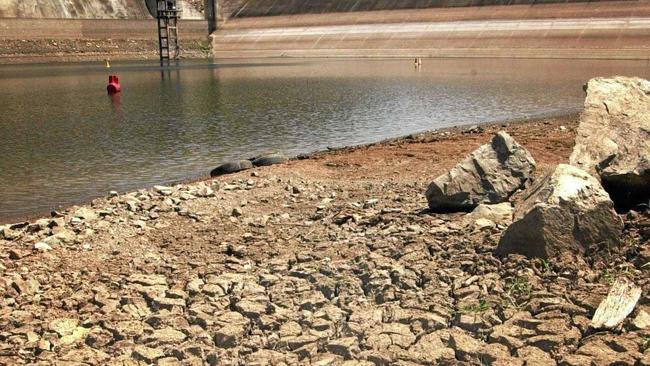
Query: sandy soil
331	259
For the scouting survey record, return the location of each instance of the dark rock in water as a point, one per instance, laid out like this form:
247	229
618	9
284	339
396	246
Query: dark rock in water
490	174
271	159
565	214
231	167
613	138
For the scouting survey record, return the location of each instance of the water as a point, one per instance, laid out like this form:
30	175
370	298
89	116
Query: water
64	141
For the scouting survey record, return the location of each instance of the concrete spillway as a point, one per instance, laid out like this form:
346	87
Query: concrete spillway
573	30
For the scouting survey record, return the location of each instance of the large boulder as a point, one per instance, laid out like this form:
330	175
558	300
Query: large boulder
566	213
613	140
490	174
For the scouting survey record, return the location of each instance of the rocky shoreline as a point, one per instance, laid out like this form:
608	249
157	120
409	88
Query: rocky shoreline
330	260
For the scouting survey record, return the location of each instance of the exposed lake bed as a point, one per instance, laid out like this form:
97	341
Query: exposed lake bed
314	260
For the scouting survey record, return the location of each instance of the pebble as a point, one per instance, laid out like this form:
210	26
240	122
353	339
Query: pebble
44	247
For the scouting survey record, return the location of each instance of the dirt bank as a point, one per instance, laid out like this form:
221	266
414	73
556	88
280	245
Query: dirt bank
326	260
78	50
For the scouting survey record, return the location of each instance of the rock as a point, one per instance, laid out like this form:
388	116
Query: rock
471	350
163	190
270	159
534	356
9	234
499	214
78	334
148	280
231	167
613	138
482	224
43	247
301	341
166	335
606	349
205	191
83	356
229	335
576	360
429	349
642	320
618	304
86	214
566	213
64	326
16	254
490	174
346	347
290	329
147	354
126	329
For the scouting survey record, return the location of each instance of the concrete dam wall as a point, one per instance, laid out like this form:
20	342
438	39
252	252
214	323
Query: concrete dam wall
88	9
434	28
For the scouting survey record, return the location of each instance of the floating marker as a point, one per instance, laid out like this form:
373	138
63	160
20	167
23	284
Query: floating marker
114	86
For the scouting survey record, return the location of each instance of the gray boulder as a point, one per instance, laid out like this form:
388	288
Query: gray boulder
613	138
567	213
231	167
270	159
490	174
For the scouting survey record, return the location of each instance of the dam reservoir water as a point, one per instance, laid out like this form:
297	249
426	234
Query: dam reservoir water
64	141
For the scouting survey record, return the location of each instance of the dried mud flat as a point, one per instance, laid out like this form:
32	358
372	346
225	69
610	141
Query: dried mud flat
328	260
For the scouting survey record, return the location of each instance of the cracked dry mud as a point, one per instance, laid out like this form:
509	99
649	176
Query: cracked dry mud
328	260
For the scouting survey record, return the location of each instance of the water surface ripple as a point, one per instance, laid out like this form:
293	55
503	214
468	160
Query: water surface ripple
63	140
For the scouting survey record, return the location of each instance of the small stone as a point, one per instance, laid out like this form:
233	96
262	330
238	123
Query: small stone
16	254
370	203
139	224
290	329
44	247
534	356
229	335
619	303
642	320
163	191
9	234
78	334
205	192
147	354
346	347
44	345
64	326
482	224
236	212
166	335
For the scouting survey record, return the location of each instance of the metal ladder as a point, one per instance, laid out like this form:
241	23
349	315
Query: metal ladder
167	16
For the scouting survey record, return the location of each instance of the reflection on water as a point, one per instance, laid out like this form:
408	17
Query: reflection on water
64	140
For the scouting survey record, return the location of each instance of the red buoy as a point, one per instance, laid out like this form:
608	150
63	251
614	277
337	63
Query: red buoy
114	86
